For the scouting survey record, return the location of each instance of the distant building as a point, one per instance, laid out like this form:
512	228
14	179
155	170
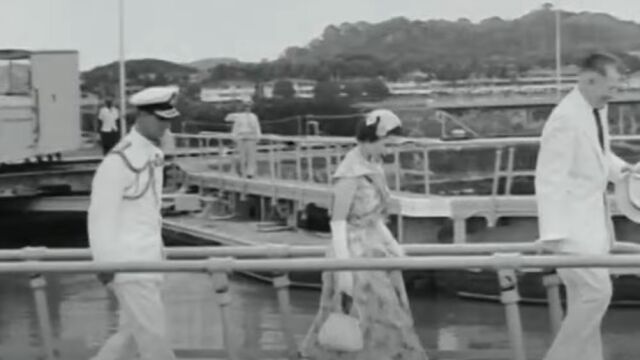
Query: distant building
416	76
228	91
303	87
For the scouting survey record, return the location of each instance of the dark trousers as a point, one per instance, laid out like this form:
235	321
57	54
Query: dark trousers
109	140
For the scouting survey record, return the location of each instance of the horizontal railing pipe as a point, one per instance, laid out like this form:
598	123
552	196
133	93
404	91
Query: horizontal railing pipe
432	143
498	261
45	254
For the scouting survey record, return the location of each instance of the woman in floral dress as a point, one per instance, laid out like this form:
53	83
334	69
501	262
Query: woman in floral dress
379	298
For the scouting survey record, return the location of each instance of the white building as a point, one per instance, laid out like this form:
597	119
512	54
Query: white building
229	91
303	88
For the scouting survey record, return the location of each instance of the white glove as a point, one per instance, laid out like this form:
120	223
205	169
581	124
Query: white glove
344	279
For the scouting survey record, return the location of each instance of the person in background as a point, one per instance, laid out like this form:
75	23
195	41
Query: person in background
361	200
125	224
108	117
574	164
246	130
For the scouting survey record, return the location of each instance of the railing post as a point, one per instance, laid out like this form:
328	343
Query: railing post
497	172
221	156
398	169
311	178
272	161
281	283
459	230
427	175
221	284
39	284
279	160
510	298
327	152
400	225
298	156
552	283
510	164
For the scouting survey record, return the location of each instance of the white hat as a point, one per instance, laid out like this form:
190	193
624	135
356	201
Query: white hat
627	196
157	100
386	119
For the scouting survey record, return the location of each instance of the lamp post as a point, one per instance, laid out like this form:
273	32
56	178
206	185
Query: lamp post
558	52
123	84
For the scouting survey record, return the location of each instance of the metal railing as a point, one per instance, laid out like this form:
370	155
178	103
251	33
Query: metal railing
414	164
280	263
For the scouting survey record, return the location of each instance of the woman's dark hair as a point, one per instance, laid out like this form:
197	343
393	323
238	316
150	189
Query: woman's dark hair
367	133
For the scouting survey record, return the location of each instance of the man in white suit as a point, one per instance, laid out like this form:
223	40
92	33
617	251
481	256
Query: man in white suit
574	165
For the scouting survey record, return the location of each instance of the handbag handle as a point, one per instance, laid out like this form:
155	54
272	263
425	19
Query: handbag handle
347	304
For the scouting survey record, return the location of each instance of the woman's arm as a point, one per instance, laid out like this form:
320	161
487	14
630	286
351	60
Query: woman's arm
343	193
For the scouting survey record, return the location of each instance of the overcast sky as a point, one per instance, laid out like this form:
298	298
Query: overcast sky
250	30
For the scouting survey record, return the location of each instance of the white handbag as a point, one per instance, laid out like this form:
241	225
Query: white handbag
341	332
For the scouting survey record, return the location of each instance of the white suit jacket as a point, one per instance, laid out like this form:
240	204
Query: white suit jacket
571	178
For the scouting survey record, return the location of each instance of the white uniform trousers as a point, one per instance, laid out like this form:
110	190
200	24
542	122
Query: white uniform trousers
142	324
247	153
588	296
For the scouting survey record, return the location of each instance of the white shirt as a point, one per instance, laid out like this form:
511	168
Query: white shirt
244	124
109	118
124	220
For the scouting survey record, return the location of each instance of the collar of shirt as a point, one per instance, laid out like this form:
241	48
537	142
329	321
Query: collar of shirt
146	144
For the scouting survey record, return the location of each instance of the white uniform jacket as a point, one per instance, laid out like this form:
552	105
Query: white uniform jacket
124	220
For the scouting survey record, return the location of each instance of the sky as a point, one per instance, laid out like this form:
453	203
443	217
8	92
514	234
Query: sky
249	30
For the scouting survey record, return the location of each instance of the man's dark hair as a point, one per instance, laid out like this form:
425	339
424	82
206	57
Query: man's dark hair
598	62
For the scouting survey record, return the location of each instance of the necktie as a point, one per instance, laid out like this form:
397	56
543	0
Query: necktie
596	114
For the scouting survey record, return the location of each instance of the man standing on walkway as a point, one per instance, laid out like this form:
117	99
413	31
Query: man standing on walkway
246	130
574	164
108	117
125	224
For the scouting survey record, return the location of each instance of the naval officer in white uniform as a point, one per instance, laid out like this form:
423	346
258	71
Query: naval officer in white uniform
574	164
125	224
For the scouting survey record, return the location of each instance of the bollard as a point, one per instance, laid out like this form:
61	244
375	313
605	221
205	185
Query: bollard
552	283
38	284
221	284
510	298
281	283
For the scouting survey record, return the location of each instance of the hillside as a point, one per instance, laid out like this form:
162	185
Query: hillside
434	45
141	66
145	72
210	63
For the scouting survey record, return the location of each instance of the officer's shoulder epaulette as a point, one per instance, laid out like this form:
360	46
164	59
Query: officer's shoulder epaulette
123	151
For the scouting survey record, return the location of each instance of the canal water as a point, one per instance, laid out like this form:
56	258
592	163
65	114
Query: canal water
84	312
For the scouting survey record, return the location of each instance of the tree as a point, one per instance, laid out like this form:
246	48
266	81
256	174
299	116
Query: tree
353	89
284	89
376	88
326	91
192	91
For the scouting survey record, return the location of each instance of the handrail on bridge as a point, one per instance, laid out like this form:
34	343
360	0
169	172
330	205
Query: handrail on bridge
288	251
220	267
307	149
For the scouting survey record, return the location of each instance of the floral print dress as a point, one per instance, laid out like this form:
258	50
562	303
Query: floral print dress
379	297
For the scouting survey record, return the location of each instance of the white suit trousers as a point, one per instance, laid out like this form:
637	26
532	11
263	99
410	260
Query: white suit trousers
247	152
588	296
142	324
